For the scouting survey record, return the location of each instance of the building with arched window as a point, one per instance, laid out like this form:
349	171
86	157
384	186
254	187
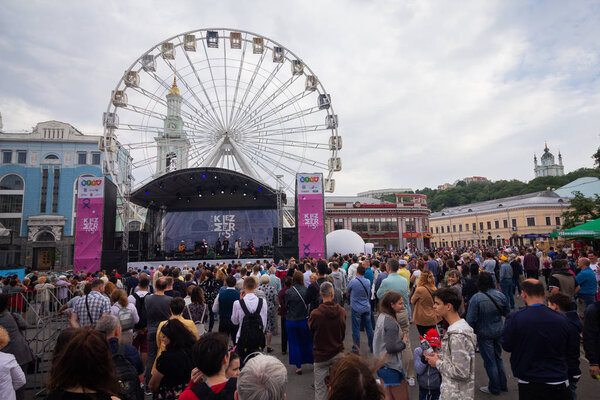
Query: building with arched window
38	172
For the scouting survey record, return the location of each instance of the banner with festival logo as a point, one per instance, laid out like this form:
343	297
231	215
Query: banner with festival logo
88	230
310	218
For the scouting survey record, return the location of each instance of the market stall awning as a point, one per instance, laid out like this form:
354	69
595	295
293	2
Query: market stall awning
589	229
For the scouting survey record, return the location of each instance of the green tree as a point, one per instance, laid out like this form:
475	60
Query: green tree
596	158
582	208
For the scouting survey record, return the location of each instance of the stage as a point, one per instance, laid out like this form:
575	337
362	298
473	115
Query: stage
192	263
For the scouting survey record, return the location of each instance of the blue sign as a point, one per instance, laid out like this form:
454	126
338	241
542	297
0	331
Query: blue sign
20	272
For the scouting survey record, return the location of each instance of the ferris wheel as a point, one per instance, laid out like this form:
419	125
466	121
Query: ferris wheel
221	98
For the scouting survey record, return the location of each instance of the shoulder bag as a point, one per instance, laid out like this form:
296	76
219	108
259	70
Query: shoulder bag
496	304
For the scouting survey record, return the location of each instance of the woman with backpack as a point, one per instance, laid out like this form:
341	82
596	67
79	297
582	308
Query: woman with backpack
126	312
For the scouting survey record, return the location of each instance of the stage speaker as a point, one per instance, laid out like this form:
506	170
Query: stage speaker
289	237
283	252
114	259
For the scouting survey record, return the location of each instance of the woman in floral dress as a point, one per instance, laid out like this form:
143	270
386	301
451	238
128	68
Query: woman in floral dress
272	301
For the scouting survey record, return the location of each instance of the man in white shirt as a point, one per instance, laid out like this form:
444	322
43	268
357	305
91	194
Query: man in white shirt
352	268
251	301
307	273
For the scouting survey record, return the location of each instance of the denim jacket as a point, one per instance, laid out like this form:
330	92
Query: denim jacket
483	315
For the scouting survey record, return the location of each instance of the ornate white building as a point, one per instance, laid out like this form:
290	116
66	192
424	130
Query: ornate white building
173	144
548	167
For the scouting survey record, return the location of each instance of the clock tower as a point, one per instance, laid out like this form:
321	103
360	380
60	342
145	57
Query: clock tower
173	144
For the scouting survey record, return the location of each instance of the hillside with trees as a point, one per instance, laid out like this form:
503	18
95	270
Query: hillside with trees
466	193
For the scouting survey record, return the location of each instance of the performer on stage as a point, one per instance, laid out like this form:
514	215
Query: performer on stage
226	246
238	248
203	248
181	247
218	247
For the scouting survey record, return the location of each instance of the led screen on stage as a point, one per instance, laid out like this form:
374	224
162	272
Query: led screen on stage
193	226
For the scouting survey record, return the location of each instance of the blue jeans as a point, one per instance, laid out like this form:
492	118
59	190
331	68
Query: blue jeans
363	318
507	289
491	352
587	298
516	286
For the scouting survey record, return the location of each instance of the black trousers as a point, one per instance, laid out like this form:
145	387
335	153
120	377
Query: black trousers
227	327
284	340
542	391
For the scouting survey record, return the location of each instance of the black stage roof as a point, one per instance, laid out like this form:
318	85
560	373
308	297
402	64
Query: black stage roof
205	189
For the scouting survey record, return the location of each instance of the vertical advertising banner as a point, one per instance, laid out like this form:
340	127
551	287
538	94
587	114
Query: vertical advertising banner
311	215
88	231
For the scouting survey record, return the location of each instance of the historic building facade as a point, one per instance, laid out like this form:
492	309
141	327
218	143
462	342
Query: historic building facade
548	167
511	220
38	175
384	224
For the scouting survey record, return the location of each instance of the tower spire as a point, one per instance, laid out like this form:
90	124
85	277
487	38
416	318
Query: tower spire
174	89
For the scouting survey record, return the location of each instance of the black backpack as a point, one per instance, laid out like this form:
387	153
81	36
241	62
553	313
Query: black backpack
252	334
127	376
139	305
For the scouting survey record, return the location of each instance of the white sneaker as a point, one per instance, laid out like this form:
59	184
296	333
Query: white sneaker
485	389
411	381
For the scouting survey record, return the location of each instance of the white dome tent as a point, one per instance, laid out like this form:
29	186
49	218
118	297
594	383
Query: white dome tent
344	241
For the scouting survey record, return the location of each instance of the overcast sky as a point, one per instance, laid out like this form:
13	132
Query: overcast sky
426	91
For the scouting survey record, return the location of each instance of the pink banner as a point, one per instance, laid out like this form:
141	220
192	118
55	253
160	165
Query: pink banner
88	231
311	231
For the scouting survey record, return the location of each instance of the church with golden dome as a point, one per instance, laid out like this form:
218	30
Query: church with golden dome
548	166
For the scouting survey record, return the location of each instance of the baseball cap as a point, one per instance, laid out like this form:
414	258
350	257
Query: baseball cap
433	337
402	262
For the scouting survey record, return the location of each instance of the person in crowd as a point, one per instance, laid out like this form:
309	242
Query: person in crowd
211	287
328	326
211	361
89	309
126	313
543	364
506	281
398	283
223	307
388	343
262	378
588	286
111	327
307	273
560	302
484	314
546	266
380	277
433	266
429	378
352	268
299	336
170	291
233	368
339	280
83	367
248	339
157	310
174	366
283	311
591	338
17	345
176	308
424	316
351	378
12	377
109	288
457	361
312	292
43	289
531	265
138	298
359	293
272	304
274	280
197	310
517	267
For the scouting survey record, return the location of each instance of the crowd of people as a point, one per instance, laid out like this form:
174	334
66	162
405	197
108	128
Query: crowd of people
206	332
